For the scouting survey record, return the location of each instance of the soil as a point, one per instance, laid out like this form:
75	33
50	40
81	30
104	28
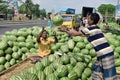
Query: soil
5	75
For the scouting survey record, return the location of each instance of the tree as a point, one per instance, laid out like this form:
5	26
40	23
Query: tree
32	9
22	9
106	9
26	7
48	15
43	12
36	10
1	1
3	9
10	11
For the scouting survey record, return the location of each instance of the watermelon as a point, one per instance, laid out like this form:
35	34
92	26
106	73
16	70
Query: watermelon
33	70
85	51
45	62
62	71
80	45
10	43
73	61
83	77
57	20
92	53
8	57
20	39
41	75
64	78
2	68
57	63
51	77
87	72
117	49
72	75
52	57
64	48
48	70
3	45
7	65
28	76
12	61
89	46
69	67
2	60
8	50
78	39
15	55
1	53
65	59
39	66
71	44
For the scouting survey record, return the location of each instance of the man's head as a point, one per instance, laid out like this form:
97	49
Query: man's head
93	19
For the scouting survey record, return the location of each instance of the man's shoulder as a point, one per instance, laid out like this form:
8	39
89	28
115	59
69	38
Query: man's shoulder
93	27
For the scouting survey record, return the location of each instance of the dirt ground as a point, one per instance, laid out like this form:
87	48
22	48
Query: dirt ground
5	75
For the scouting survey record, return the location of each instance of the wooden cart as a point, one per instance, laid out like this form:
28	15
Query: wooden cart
17	68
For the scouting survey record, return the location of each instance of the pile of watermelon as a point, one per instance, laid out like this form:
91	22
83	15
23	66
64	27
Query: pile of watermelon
16	45
55	67
78	54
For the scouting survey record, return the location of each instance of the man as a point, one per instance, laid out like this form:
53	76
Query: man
106	26
104	68
50	23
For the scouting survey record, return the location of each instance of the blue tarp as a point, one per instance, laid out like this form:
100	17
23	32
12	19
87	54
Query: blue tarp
67	10
63	9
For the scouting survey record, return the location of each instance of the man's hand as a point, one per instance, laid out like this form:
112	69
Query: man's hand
71	31
63	29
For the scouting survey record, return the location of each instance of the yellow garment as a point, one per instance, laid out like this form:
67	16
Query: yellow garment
44	46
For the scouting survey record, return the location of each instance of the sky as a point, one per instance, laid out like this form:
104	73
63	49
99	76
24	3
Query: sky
50	5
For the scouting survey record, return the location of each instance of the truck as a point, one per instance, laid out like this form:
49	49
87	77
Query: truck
69	18
87	10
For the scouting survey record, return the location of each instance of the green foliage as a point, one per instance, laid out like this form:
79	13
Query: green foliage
31	9
104	8
3	8
26	7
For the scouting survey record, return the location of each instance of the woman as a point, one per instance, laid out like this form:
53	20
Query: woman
45	42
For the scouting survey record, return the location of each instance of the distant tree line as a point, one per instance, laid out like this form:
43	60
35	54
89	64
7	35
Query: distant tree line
31	9
27	8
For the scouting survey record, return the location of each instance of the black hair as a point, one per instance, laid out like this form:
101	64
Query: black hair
40	34
95	17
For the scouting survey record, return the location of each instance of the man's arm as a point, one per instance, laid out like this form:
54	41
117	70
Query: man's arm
71	31
74	32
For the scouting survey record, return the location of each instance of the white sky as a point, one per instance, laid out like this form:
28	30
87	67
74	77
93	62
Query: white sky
76	4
